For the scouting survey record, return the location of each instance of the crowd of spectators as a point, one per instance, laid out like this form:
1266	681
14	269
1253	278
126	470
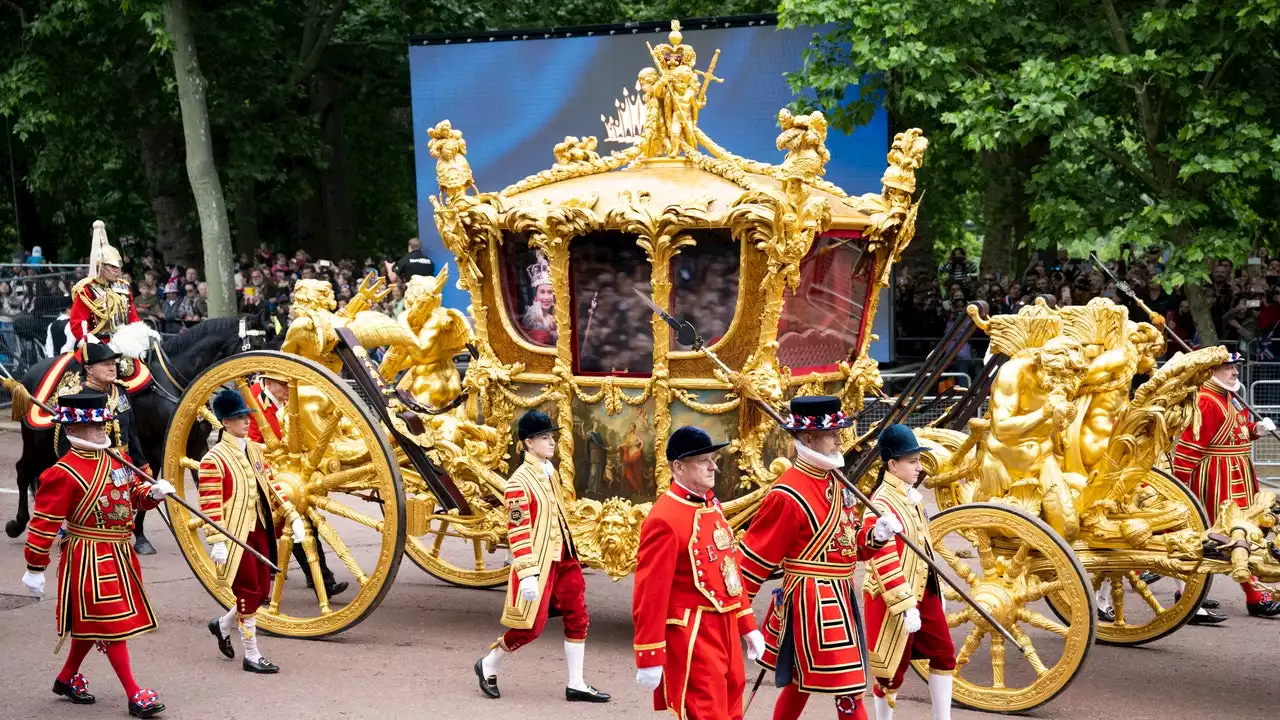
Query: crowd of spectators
1244	297
34	295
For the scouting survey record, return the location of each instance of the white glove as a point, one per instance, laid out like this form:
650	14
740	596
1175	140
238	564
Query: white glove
914	497
218	553
1266	425
885	528
299	531
529	588
755	645
649	678
160	488
912	619
34	582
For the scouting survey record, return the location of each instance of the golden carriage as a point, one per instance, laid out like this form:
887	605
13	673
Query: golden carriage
384	445
782	271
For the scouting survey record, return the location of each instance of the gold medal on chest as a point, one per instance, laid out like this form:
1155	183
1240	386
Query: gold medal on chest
732	581
115	494
722	538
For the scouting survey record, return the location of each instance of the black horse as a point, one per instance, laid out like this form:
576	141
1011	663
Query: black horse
185	356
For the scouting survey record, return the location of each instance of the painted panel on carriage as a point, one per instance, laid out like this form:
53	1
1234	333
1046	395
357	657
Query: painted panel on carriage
515	100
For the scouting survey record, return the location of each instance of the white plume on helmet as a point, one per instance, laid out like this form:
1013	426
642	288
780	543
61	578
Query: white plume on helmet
133	340
100	250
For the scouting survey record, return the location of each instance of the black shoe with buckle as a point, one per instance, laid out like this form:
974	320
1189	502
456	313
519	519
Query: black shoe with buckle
331	588
262	666
1107	615
1267	608
145	703
224	641
1206	617
590	695
1149	577
76	690
1207	603
489	684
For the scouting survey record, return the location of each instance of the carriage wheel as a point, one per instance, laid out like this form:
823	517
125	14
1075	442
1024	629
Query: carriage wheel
445	552
352	503
1140	616
1009	561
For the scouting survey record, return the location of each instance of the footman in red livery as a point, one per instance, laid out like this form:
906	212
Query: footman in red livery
100	595
689	604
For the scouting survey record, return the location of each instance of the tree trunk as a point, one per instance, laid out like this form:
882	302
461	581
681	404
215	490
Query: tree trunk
215	232
1000	207
1201	310
170	200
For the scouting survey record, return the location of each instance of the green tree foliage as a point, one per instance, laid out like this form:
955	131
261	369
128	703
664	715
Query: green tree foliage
308	103
1149	123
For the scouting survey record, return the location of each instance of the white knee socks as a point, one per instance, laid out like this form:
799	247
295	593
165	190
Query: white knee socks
883	711
492	662
227	623
940	695
249	637
573	656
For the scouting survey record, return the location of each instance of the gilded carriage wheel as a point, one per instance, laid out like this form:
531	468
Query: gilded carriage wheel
1009	562
1140	616
333	462
445	554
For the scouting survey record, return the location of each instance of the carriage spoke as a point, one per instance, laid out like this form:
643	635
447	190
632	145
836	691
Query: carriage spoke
1117	599
477	549
997	661
336	508
1028	650
1144	592
331	538
439	541
960	567
1036	620
311	549
326	437
284	549
357	478
971	643
986	556
956	619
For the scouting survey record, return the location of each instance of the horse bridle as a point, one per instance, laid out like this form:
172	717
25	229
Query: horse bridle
173	374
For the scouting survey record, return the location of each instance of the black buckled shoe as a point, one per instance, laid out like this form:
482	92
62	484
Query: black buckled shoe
1107	615
1149	577
76	690
1206	617
333	588
224	641
488	685
590	695
1267	608
145	703
262	666
1207	603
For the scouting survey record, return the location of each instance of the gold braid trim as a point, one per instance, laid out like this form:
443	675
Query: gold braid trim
719	408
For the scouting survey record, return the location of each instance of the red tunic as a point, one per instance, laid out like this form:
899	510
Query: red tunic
689	607
1215	462
82	313
100	593
807	524
268	412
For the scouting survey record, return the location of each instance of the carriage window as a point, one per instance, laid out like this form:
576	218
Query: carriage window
822	319
704	279
612	324
530	299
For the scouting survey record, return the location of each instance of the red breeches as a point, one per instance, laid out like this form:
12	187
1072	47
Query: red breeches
252	584
566	588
